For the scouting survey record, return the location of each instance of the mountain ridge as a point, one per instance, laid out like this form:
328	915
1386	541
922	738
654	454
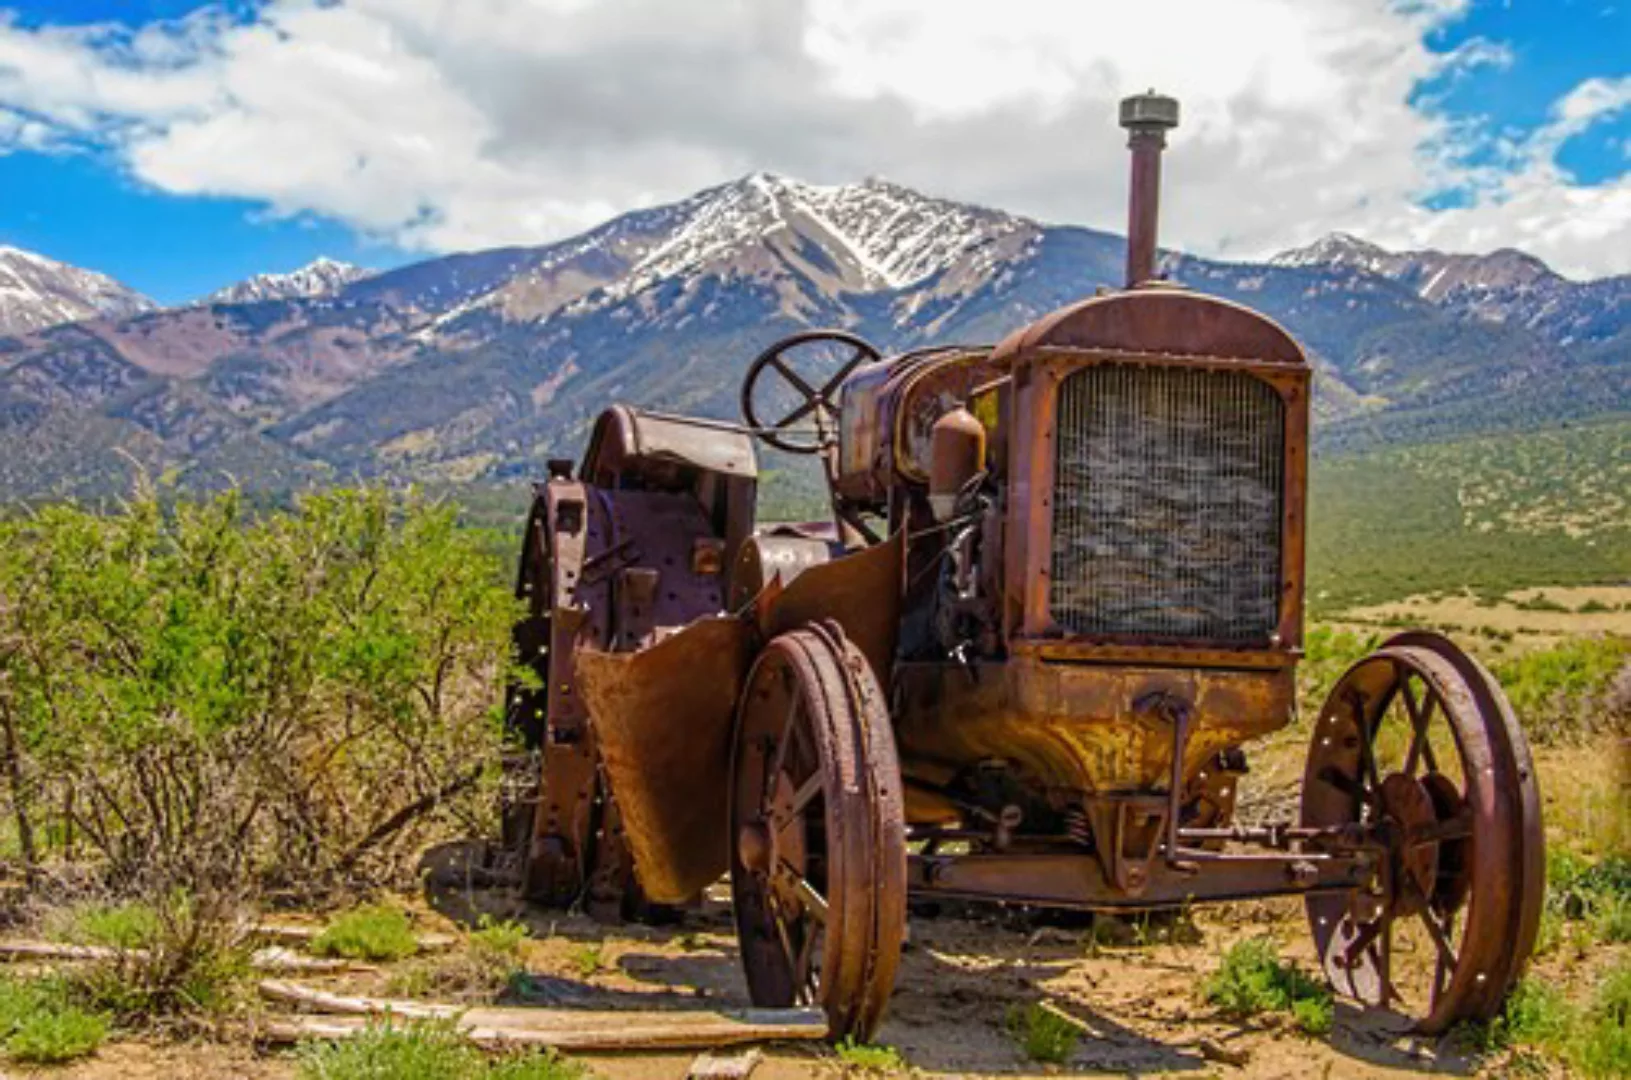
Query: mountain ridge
482	364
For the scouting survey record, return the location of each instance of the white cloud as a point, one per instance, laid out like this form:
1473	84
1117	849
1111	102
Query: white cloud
446	124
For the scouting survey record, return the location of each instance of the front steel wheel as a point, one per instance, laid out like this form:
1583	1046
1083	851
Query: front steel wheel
818	866
1418	753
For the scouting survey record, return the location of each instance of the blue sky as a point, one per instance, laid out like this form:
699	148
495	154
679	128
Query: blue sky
180	145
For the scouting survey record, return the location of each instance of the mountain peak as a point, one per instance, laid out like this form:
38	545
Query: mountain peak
879	234
37	292
1336	248
319	277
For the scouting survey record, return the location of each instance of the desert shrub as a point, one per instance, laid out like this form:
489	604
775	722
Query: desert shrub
1577	688
868	1057
193	962
375	932
195	696
1043	1034
1252	979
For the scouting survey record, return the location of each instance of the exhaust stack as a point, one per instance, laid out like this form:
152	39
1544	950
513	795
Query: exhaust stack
1147	118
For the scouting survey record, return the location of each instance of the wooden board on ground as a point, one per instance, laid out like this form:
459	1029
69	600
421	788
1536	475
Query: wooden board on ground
499	1027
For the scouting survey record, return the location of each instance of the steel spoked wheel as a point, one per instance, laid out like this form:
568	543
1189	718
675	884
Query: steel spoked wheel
818	869
1418	753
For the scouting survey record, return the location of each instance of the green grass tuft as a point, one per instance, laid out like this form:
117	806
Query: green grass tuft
118	926
1043	1034
497	940
54	1036
546	1065
589	959
869	1057
1252	979
376	932
424	1050
428	1050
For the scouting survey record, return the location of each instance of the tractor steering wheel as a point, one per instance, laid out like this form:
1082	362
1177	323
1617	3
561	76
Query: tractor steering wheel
817	401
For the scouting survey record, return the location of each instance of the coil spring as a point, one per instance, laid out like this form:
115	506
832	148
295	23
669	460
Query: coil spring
1077	827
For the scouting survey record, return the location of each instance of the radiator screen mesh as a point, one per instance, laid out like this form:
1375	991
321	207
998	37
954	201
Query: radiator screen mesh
1167	504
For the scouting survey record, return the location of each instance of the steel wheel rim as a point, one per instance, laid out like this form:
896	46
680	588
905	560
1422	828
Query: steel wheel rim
818	853
1438	784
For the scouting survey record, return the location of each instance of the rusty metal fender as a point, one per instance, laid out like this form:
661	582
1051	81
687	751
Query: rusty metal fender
664	716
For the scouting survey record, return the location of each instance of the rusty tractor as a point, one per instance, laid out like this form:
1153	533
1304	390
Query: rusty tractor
1062	586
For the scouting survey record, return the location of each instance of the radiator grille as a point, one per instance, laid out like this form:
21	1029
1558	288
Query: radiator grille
1167	499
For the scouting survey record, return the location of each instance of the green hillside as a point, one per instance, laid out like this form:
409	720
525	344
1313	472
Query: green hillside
1493	513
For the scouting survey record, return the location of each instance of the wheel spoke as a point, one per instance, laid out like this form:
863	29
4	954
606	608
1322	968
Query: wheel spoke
1365	935
1441	939
1367	753
1458	827
779	760
813	901
1421	747
801	798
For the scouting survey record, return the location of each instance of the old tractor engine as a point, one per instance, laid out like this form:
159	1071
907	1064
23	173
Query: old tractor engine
1061	588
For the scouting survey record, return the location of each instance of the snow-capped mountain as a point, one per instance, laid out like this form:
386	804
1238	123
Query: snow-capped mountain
37	292
871	236
482	365
1504	286
320	277
808	243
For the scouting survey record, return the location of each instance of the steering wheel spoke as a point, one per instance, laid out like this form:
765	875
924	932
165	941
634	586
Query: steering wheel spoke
817	390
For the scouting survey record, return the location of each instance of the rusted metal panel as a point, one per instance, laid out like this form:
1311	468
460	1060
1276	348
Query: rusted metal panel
663	718
624	435
1156	320
861	592
766	558
1079	727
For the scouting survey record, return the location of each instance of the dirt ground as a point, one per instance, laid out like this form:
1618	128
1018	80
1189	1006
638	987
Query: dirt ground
1135	989
1138	1004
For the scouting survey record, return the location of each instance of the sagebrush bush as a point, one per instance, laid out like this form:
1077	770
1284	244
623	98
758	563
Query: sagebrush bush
201	697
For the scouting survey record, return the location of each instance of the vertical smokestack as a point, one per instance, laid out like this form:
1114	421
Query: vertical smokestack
1147	118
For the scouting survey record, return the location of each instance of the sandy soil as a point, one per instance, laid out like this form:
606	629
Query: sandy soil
1134	989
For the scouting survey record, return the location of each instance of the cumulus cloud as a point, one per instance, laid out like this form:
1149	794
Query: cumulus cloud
446	124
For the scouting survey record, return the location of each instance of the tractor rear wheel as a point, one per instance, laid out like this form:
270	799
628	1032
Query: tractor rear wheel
818	864
1418	750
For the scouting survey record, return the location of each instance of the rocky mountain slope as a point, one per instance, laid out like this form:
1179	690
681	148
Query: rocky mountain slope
320	277
36	292
481	365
